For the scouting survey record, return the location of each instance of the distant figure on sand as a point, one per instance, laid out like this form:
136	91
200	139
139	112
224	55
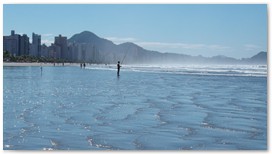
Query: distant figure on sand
118	68
84	65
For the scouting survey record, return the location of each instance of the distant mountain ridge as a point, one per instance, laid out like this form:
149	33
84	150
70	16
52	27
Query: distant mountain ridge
260	58
99	50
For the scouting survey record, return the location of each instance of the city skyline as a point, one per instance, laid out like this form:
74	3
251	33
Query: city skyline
206	30
88	47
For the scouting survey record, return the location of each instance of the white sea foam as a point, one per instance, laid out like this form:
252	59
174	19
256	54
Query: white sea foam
223	70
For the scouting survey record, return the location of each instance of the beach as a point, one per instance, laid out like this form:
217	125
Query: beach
146	108
37	64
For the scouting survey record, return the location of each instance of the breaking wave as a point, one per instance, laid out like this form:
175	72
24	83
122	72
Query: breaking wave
223	70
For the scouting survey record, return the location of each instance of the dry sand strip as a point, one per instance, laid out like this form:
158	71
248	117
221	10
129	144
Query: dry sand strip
38	64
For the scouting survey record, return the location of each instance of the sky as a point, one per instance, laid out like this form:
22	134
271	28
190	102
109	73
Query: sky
233	30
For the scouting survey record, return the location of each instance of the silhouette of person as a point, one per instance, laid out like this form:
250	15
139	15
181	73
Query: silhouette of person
118	68
84	65
41	68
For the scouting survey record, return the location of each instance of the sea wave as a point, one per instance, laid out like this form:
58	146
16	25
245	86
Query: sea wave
220	70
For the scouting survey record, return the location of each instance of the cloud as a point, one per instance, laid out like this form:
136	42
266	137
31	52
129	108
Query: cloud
167	45
171	45
47	42
119	40
47	39
182	45
217	47
251	47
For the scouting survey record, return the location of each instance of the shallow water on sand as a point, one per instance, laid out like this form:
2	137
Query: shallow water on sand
65	108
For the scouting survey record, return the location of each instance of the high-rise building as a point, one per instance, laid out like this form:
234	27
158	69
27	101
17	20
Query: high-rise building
12	43
72	52
44	51
75	51
35	49
62	43
24	45
54	51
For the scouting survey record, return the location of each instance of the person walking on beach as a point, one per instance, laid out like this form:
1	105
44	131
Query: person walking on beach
118	68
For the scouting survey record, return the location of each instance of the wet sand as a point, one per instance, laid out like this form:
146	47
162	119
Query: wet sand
69	108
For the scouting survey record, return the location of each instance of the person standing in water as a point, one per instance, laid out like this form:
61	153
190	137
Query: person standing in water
118	68
41	68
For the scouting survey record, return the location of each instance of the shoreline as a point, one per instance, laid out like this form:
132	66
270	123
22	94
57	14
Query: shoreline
16	64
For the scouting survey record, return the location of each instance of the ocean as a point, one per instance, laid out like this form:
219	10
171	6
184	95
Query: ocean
146	108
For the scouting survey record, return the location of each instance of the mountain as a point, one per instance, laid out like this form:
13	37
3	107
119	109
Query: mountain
91	48
98	50
220	59
260	58
84	37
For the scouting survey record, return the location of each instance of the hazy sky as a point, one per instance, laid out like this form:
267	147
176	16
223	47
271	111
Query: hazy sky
209	30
